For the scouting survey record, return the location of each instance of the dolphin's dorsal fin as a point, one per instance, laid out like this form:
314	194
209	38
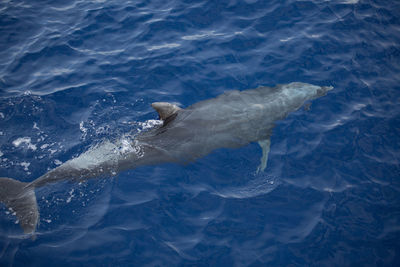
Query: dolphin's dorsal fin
165	109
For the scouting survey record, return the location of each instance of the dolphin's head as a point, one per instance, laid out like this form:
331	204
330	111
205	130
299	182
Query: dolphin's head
306	89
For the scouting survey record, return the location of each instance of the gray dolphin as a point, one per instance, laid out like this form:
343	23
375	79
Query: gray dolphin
231	120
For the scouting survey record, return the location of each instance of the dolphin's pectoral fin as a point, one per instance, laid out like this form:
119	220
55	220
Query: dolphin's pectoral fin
265	146
165	109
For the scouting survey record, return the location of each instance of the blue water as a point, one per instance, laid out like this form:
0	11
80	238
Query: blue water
75	73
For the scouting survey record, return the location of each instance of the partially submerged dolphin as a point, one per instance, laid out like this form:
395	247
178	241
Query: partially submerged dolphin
231	120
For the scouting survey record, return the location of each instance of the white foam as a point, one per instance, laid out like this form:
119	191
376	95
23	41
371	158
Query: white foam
2	115
25	165
44	146
71	195
149	124
24	140
19	141
83	129
57	162
126	146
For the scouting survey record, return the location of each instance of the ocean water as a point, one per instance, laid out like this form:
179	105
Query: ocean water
76	73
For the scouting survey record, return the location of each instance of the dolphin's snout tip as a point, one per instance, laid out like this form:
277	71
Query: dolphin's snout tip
323	90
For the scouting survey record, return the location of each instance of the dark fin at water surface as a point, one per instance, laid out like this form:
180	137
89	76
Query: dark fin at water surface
165	109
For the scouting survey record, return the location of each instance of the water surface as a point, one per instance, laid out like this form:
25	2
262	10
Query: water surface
76	73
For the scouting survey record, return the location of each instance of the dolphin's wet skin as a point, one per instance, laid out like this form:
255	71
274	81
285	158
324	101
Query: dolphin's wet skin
231	120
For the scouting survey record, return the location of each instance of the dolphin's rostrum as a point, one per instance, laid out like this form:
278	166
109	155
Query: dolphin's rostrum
230	120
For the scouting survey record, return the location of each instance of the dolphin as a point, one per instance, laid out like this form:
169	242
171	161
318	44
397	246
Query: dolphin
231	120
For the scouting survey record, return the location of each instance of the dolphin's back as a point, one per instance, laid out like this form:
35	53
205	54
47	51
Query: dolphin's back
230	120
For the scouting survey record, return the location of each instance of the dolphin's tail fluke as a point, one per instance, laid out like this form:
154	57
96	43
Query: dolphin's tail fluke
20	198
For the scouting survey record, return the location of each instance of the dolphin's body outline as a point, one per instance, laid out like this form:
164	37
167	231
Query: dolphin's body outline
231	120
